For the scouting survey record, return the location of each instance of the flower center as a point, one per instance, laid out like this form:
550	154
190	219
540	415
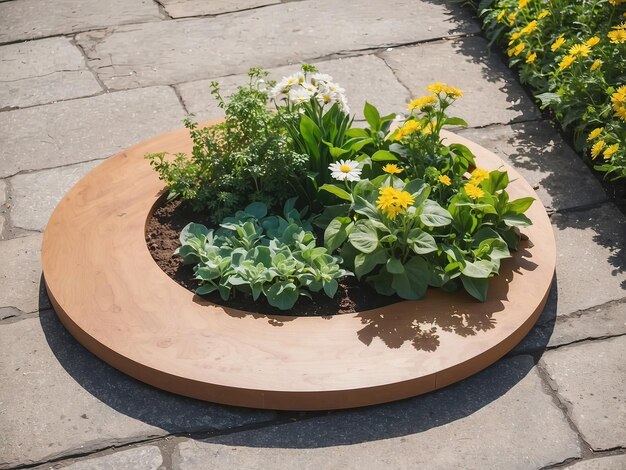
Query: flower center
345	168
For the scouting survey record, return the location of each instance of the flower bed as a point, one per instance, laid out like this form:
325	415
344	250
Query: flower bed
398	209
573	55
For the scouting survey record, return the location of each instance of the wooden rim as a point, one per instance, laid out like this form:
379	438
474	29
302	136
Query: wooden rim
114	299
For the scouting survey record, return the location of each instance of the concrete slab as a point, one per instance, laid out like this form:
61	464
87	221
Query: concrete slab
137	458
479	423
185	8
38	72
364	78
20	274
611	462
72	403
31	209
31	19
491	94
3	200
84	129
170	52
541	156
591	260
590	379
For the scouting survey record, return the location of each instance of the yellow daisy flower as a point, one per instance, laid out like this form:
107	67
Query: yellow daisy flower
393	202
517	50
404	199
618	102
566	62
392	169
610	150
597	148
445	180
473	191
530	27
421	102
593	41
558	43
530	58
543	14
501	15
595	133
522	3
596	64
511	18
582	50
407	129
618	36
479	175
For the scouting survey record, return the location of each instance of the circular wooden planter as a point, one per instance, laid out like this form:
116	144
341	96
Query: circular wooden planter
114	299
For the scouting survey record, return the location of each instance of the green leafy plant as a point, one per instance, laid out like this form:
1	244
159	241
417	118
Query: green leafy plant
247	158
256	254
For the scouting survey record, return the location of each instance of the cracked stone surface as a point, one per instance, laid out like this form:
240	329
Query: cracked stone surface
591	260
31	19
3	200
85	129
77	404
170	52
590	378
490	92
423	432
38	72
612	462
31	209
541	156
183	8
138	458
364	78
20	274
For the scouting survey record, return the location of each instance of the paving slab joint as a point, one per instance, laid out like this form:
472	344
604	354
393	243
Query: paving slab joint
404	85
180	99
10	315
162	11
551	388
79	46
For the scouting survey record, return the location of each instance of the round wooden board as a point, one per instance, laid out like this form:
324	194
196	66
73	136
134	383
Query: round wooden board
114	299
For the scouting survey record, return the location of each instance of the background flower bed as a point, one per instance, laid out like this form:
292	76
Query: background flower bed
572	54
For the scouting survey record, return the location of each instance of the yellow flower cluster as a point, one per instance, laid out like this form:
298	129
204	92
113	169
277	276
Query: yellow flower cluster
422	102
600	147
445	180
618	34
392	169
438	88
392	201
408	128
558	43
618	102
473	191
479	175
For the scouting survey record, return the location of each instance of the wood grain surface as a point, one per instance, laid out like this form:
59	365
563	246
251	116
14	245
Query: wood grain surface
110	294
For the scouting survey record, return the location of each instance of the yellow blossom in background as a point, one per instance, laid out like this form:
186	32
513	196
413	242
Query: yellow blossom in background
511	18
617	2
517	50
543	14
421	103
529	28
522	3
610	150
429	128
407	128
530	58
596	64
618	36
595	133
392	169
582	50
566	62
592	41
393	201
597	148
558	43
501	15
438	88
473	191
445	180
618	102
514	37
479	175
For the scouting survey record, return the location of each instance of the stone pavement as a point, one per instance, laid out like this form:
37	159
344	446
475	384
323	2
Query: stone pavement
80	81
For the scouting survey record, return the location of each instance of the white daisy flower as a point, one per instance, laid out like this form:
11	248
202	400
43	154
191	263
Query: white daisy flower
345	170
309	87
321	77
299	95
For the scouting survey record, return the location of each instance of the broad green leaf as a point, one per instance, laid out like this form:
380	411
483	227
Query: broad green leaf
336	233
477	288
413	283
433	215
372	116
516	220
364	236
282	295
478	269
364	263
382	282
421	242
330	288
519	206
455	121
256	209
384	156
205	289
193	230
311	134
394	266
497	180
337	191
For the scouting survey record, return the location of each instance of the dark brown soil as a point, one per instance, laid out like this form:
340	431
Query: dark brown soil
162	233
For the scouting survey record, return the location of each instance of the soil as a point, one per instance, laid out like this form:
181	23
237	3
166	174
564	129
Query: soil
162	232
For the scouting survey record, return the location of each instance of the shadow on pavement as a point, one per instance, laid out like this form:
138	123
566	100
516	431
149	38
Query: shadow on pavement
176	414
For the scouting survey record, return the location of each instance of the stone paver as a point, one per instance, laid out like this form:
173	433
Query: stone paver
138	458
84	129
590	378
3	200
598	322
183	8
490	92
613	462
31	209
364	78
479	423
71	402
38	72
184	50
591	260
30	19
541	156
20	274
